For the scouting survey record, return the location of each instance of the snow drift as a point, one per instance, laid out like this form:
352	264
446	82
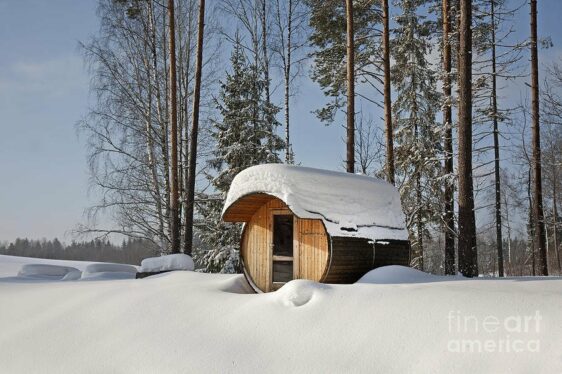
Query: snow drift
396	274
48	272
189	322
108	271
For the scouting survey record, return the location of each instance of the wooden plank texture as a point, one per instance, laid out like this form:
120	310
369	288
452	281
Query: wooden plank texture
310	245
345	262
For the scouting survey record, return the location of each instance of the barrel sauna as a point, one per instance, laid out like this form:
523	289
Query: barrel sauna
305	236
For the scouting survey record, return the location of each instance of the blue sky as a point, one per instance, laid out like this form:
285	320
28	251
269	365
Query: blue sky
44	92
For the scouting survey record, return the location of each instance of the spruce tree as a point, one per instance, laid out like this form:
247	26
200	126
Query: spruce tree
245	136
417	135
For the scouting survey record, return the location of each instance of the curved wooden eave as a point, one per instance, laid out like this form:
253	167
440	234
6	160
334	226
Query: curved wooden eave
244	208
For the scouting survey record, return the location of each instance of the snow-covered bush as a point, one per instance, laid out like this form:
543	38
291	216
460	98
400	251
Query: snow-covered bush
221	260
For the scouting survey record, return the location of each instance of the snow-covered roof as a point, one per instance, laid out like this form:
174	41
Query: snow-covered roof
350	205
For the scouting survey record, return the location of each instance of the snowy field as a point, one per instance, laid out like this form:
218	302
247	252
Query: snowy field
394	320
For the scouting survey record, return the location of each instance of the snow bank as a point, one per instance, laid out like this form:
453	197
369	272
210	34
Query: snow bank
396	274
15	269
73	275
105	271
189	322
178	261
350	205
11	265
45	271
103	267
108	275
299	292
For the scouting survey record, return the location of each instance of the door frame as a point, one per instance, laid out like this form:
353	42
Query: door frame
283	212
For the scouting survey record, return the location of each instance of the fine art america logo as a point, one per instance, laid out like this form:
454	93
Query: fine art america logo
493	334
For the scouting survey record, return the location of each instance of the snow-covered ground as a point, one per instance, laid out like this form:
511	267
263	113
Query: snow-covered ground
395	320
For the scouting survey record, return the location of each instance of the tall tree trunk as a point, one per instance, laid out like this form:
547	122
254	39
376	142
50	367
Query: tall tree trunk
287	75
468	264
165	136
152	71
555	225
150	148
531	224
449	216
387	93
419	218
194	132
181	118
264	50
499	236
350	88
538	212
186	148
555	213
174	195
265	57
508	225
162	115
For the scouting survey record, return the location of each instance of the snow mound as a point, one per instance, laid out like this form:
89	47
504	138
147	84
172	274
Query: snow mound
108	275
238	285
43	271
350	205
178	261
299	292
106	268
105	271
11	265
73	275
137	327
396	274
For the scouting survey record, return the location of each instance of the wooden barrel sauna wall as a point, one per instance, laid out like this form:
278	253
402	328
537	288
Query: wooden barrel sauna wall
310	247
278	246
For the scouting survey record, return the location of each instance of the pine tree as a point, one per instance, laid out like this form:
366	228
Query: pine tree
174	196
329	38
468	258
417	135
246	136
538	211
350	86
389	131
192	169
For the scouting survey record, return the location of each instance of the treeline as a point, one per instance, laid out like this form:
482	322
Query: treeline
175	119
131	251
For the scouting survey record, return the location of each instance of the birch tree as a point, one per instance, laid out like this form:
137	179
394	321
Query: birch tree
128	127
289	35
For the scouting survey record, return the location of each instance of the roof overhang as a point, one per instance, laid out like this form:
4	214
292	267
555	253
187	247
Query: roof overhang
243	209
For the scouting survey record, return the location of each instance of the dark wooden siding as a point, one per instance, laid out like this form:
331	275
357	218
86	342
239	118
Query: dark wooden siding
394	253
351	258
